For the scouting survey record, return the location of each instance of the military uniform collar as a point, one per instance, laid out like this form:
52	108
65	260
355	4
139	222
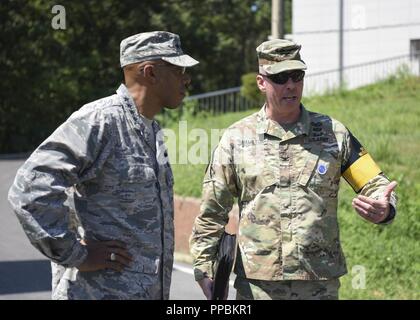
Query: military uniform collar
268	126
128	103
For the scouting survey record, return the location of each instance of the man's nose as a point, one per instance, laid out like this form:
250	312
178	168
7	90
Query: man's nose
186	79
290	84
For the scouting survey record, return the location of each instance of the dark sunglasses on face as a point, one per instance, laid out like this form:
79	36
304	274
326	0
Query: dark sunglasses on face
283	77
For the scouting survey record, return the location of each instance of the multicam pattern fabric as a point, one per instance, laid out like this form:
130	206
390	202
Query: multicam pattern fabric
250	289
286	183
279	55
99	177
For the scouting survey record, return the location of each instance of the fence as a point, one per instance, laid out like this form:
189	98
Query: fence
228	100
361	74
231	100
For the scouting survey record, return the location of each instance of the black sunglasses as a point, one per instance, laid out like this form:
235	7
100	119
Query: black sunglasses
283	77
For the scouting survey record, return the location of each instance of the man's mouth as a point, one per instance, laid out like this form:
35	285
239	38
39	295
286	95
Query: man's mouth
291	98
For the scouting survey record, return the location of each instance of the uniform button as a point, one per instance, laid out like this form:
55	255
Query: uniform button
284	181
286	202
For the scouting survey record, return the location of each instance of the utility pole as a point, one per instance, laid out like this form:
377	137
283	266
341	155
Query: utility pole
341	44
277	19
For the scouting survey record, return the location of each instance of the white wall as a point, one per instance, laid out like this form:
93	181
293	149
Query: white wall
373	30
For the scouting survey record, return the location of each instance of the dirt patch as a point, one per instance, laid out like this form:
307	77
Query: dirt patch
186	210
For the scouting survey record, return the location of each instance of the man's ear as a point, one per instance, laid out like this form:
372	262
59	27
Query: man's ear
261	83
149	73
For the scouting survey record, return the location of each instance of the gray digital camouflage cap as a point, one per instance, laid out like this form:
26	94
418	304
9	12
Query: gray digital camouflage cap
278	55
152	46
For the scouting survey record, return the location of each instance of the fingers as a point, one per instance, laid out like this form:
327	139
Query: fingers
372	217
99	256
114	265
115	244
360	210
368	200
121	252
121	257
389	188
372	206
206	285
369	212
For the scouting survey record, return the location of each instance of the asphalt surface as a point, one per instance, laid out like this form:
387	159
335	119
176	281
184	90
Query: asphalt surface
25	274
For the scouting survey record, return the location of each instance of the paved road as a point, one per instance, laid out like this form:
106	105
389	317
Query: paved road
25	274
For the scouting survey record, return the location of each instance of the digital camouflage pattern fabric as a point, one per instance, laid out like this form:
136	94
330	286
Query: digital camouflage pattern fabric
286	182
152	46
98	177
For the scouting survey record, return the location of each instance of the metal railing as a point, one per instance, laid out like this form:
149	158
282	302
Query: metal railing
228	100
360	74
231	100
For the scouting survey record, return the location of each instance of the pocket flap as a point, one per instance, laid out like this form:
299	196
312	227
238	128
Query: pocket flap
139	174
308	169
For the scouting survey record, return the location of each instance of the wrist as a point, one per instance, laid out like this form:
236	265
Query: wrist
390	216
200	274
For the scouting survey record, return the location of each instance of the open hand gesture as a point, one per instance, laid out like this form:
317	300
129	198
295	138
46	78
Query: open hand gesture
373	210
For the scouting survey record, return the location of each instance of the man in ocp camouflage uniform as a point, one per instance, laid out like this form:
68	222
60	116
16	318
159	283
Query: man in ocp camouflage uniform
284	165
96	197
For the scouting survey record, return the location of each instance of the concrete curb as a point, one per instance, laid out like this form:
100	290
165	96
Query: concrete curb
183	257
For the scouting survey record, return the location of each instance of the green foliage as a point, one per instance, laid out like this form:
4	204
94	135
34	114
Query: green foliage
249	89
386	119
47	74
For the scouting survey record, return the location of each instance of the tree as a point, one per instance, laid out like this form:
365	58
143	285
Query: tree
47	73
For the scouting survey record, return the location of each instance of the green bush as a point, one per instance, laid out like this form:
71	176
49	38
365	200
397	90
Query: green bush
249	89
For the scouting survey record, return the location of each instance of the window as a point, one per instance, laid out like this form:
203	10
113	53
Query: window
415	48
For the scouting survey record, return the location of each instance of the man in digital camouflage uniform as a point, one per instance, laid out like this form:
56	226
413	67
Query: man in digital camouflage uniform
109	164
284	165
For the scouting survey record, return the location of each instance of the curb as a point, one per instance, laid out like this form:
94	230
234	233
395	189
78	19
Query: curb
183	257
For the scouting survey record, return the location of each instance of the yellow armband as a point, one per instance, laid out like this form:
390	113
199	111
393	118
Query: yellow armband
361	171
360	167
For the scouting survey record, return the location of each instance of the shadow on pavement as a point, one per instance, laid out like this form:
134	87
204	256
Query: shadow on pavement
15	156
25	276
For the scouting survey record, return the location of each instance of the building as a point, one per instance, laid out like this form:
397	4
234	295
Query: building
366	39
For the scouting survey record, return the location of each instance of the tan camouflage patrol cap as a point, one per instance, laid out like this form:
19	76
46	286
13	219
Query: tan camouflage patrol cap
152	46
278	55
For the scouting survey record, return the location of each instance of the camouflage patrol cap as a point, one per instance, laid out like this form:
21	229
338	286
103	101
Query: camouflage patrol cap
278	55
152	46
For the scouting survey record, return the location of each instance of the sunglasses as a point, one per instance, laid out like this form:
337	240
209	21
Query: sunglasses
283	77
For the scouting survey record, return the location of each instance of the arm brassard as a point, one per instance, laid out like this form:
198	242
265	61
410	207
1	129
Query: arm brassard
360	167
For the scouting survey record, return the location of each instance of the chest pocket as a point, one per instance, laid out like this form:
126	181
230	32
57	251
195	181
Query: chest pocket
308	169
137	188
138	174
321	173
257	169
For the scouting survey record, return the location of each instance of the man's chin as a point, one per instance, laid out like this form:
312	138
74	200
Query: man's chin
291	103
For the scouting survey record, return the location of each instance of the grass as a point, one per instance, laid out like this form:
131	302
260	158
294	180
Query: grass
385	117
